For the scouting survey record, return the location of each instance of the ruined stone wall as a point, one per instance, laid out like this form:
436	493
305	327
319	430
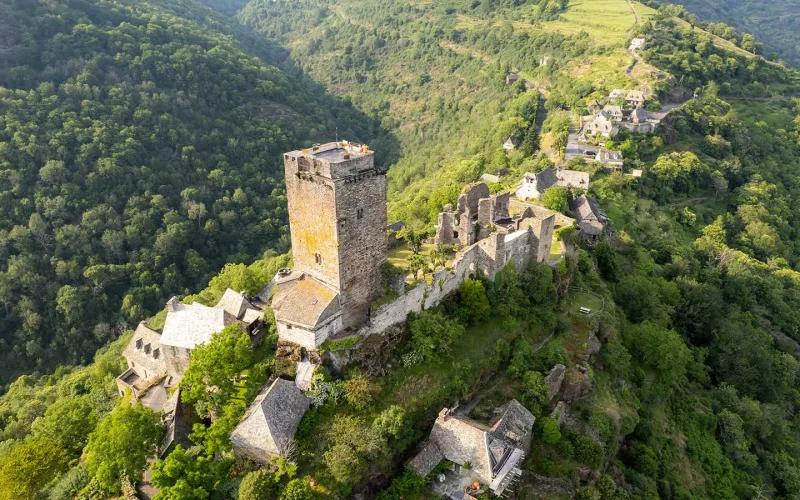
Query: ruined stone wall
445	230
361	216
472	194
545	238
312	221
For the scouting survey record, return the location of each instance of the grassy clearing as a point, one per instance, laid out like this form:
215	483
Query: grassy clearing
555	250
604	71
400	254
584	299
605	21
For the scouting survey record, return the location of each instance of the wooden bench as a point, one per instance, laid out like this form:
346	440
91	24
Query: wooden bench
585	310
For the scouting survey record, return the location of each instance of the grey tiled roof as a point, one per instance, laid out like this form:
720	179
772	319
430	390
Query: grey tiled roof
191	325
234	303
305	301
587	214
428	458
573	179
271	421
144	349
545	179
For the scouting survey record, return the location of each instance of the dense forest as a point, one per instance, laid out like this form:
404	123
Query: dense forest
140	151
775	23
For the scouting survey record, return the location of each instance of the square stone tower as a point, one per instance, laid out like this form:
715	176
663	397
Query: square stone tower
337	218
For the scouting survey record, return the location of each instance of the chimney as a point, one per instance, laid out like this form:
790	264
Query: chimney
172	304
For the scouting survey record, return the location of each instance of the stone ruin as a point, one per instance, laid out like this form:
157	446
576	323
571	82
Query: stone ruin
476	215
479	214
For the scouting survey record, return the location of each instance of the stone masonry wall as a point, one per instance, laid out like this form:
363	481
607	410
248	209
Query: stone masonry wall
361	215
312	219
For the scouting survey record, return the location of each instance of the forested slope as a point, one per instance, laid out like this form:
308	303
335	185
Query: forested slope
776	23
139	151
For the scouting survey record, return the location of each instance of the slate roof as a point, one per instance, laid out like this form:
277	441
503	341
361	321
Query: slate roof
606	155
428	458
190	325
613	111
511	143
573	179
178	429
145	349
304	301
271	421
544	179
639	115
235	304
587	214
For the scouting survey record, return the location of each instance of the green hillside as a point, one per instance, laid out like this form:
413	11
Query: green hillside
775	23
164	122
139	152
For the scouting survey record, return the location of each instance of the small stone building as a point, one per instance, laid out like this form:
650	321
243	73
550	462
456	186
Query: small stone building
533	186
146	361
493	454
602	123
635	98
590	220
637	43
267	428
572	179
511	143
610	159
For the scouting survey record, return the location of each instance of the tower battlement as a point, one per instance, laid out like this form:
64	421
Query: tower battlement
333	160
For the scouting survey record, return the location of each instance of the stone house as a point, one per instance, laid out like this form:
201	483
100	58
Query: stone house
615	112
267	428
490	455
154	354
602	123
512	78
511	143
533	186
146	361
595	107
572	179
611	160
635	98
590	220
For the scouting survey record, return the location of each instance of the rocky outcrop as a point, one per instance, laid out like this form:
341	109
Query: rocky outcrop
554	379
592	345
577	385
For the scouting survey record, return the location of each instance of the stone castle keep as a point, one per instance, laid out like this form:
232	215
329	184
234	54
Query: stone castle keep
337	216
337	219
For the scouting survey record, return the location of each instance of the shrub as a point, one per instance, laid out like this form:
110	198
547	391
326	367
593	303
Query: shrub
432	332
551	434
259	485
473	301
